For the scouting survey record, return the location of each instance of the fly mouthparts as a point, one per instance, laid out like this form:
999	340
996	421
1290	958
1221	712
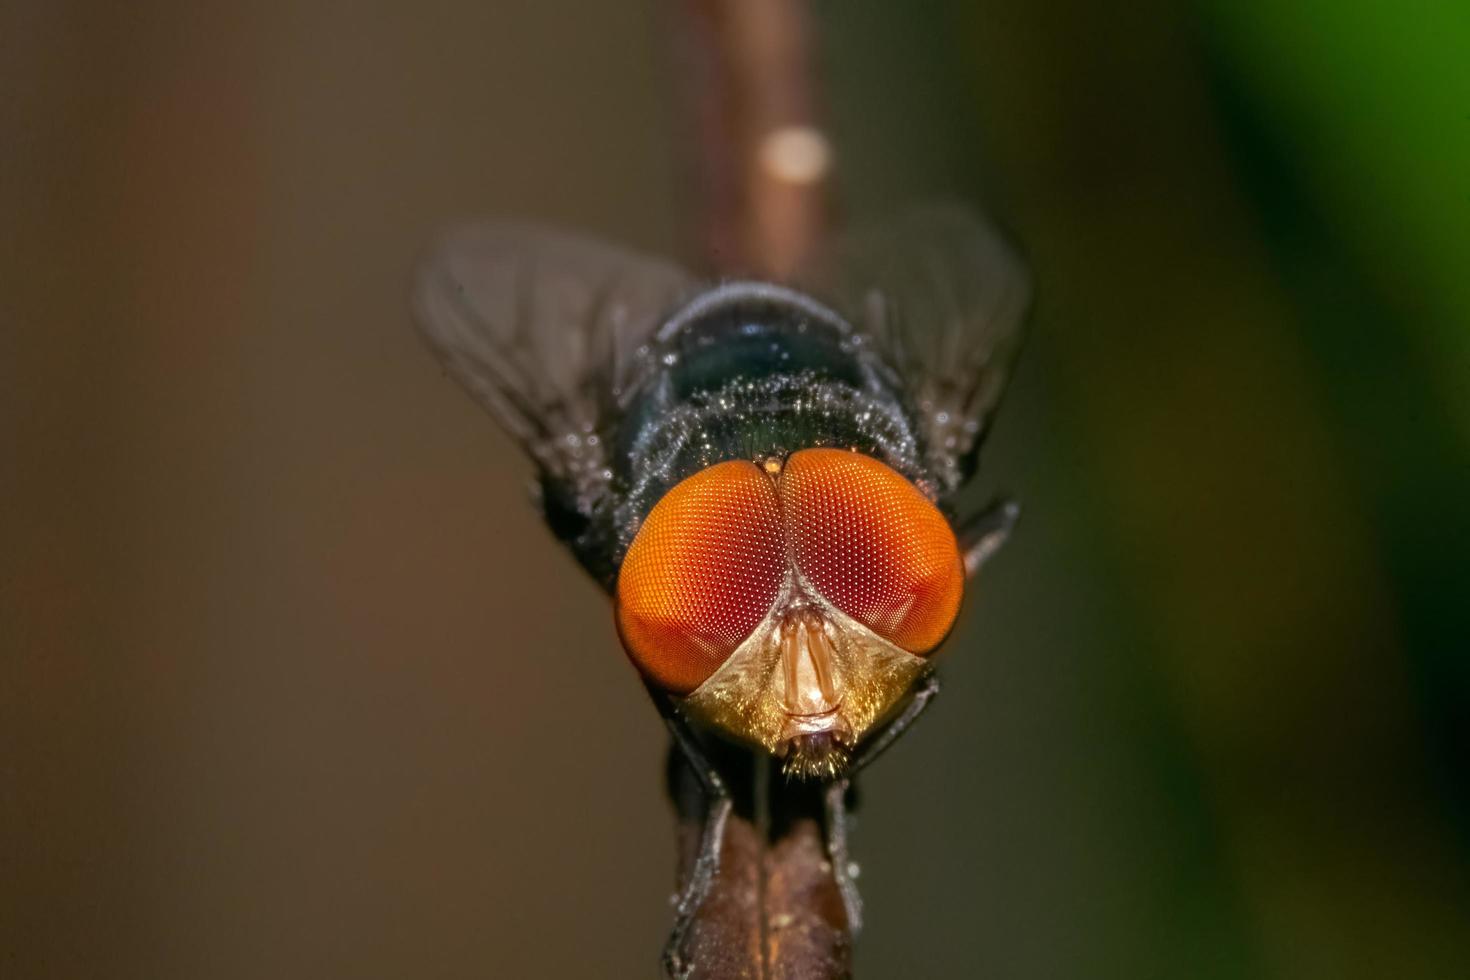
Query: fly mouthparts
817	755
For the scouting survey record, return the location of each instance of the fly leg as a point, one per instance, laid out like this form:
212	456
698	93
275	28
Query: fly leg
982	536
837	792
712	837
836	812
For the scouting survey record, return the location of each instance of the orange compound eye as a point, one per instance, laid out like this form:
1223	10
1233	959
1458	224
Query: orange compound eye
873	545
701	574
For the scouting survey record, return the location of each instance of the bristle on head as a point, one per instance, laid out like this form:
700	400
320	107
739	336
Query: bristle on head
819	755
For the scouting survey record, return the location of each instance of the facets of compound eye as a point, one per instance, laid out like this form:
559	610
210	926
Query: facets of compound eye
703	571
873	545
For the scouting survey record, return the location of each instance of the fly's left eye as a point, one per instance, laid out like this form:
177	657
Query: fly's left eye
873	545
702	572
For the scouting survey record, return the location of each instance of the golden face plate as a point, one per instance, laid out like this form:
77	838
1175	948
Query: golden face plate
807	685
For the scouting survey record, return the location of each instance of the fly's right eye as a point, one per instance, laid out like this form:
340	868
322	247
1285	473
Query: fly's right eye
702	572
873	546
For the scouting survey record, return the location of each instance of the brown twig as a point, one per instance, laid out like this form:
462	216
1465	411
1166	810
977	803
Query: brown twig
763	162
762	173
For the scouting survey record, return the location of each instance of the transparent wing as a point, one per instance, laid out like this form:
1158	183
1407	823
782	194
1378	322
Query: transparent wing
545	330
941	296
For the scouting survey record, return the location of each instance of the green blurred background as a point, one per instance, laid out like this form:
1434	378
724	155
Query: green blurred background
293	685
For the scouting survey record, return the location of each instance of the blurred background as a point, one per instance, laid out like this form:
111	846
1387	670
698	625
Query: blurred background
293	684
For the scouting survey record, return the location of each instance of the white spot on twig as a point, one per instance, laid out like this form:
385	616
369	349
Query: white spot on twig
796	154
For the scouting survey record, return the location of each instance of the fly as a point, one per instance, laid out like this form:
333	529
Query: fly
765	477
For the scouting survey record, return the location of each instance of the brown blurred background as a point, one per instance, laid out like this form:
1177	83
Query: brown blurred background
292	684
